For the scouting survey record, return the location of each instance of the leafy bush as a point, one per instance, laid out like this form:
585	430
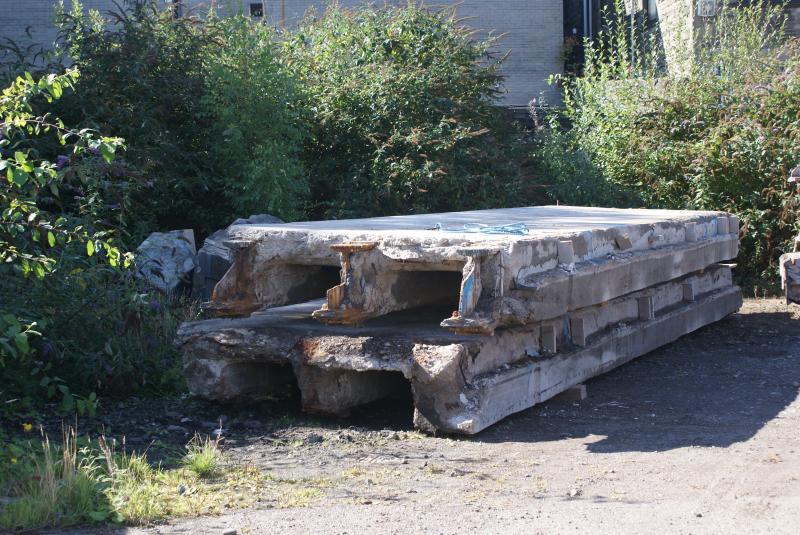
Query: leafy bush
720	134
401	103
72	320
205	106
258	128
40	227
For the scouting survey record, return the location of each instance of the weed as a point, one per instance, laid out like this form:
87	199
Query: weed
203	456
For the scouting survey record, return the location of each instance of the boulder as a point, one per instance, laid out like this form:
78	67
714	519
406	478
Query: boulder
166	260
214	258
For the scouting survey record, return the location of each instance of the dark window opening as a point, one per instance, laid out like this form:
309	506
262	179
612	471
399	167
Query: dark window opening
257	10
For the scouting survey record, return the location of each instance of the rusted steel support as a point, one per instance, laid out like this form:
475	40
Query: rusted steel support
373	285
347	303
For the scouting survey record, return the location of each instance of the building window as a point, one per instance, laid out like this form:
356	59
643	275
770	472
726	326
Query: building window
257	10
706	8
176	7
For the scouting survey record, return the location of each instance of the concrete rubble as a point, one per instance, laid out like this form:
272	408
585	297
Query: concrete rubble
790	276
166	260
481	321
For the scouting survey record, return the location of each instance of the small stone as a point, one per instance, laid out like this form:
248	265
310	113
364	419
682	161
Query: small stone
229	532
314	438
176	429
699	515
574	492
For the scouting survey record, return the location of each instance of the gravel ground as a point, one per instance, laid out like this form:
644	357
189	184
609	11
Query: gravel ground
701	436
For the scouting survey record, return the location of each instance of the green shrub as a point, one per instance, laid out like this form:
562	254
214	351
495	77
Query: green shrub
401	103
720	134
205	106
258	130
73	322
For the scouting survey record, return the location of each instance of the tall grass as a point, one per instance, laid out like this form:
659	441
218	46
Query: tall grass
72	483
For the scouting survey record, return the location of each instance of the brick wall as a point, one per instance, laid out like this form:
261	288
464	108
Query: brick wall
17	15
533	31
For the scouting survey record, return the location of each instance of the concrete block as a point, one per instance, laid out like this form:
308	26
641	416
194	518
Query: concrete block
623	243
566	254
722	225
354	308
571	394
549	339
522	385
790	277
733	224
398	263
688	291
460	383
646	310
691	232
577	327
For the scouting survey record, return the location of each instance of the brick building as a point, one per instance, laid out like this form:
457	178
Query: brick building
533	30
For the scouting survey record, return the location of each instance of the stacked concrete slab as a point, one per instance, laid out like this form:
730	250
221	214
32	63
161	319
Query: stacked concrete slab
483	313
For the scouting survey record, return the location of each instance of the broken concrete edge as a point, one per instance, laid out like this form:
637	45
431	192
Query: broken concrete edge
279	334
548	295
214	258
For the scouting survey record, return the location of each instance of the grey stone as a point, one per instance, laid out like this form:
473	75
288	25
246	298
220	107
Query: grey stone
790	277
166	260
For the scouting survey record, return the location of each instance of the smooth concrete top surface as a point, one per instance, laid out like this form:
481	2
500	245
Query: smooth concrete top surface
539	220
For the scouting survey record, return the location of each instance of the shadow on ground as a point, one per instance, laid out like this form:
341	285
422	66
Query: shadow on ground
715	387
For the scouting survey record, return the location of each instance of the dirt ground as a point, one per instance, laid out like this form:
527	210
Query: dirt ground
701	436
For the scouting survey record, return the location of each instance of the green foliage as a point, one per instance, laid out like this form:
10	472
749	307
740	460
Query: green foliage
203	457
358	113
30	234
43	229
57	486
718	131
258	131
205	105
401	106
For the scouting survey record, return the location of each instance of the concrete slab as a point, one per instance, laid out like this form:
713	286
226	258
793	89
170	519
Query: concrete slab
568	257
